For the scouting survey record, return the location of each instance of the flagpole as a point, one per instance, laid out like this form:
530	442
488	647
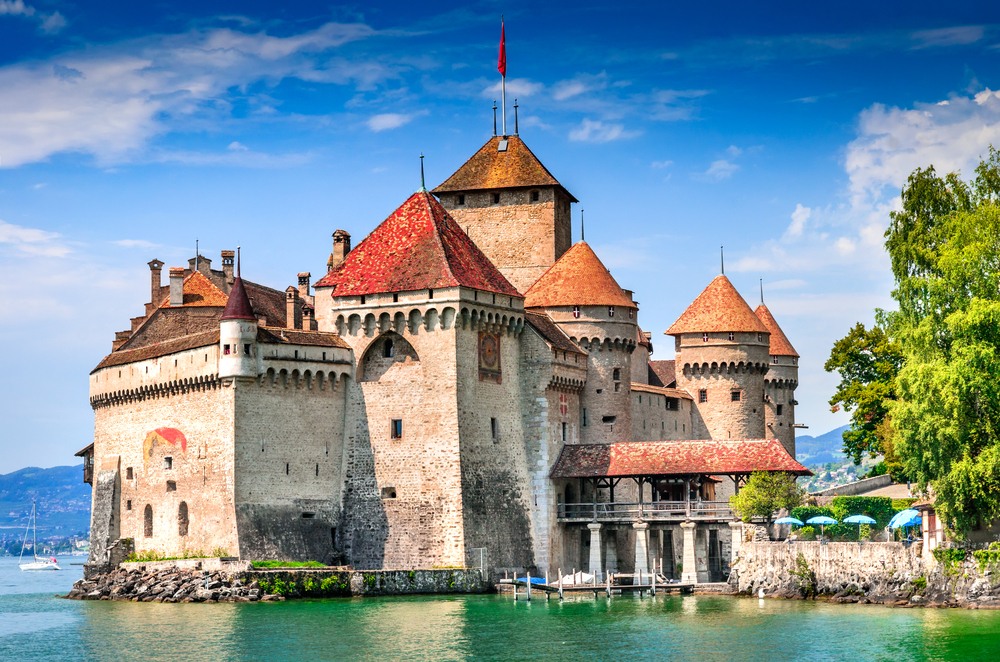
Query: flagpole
503	101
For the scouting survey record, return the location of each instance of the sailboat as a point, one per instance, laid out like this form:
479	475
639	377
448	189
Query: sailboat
38	564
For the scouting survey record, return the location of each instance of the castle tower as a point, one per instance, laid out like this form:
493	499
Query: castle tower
238	335
436	452
779	386
582	297
512	207
721	357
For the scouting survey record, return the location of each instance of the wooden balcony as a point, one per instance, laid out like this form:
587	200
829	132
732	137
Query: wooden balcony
658	511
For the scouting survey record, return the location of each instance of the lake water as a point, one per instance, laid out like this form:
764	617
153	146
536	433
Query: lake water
36	626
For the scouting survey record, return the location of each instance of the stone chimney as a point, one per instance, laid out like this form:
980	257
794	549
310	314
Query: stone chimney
204	265
293	311
228	260
155	268
341	247
176	286
308	318
304	278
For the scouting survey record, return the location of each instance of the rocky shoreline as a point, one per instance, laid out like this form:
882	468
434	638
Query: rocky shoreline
170	585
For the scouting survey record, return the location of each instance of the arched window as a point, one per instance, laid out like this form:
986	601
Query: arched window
147	521
182	519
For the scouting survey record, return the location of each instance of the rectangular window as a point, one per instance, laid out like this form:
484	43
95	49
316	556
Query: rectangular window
171	486
584	417
496	198
287	469
704	337
168	462
737	396
702	395
128	473
461	199
494	430
430	294
631	313
225	350
128	505
246	349
534	196
774	360
362	299
732	336
576	311
640	399
396	428
296	353
778	412
616	374
564	427
618	387
324	356
611	311
395	297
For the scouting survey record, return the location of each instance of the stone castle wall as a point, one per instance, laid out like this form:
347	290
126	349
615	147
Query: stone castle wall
779	385
652	421
522	238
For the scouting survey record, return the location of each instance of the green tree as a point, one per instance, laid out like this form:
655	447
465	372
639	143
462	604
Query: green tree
766	493
868	362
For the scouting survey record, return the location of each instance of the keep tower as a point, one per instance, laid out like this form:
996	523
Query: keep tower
583	298
780	384
512	208
721	353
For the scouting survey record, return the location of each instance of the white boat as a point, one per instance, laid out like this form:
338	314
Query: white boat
37	564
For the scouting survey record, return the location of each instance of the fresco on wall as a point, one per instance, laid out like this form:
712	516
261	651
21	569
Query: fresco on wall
159	436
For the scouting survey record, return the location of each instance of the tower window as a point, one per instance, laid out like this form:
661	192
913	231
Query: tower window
610	420
287	469
576	311
534	196
362	299
737	396
774	360
246	349
564	427
430	294
616	374
760	337
128	473
732	336
387	349
396	428
494	430
168	462
704	337
611	311
778	412
584	417
388	492
702	395
296	353
496	198
225	350
171	485
128	505
461	198
395	297
618	387
640	399
631	313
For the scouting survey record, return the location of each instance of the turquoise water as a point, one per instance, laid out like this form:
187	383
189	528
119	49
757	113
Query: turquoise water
35	626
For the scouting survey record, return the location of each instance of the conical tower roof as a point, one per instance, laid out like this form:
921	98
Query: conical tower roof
578	278
490	168
779	341
718	308
238	307
418	247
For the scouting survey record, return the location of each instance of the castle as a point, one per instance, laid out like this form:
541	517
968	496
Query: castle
464	386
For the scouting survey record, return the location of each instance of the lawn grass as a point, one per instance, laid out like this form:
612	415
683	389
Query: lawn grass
288	564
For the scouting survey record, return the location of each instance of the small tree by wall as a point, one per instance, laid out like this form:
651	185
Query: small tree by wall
766	493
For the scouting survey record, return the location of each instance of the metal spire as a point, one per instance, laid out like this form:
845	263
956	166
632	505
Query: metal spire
515	116
583	234
237	261
197	254
761	291
422	186
722	258
494	117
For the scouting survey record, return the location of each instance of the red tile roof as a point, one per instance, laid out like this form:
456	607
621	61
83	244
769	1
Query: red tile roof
578	278
551	332
664	458
418	247
146	352
517	167
718	308
238	306
661	373
199	291
779	341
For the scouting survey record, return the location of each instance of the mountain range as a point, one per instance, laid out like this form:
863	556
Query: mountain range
62	498
822	449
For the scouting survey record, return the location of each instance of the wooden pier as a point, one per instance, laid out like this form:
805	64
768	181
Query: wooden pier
650	584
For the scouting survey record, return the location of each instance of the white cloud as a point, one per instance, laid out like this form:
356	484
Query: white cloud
892	142
135	243
581	84
660	164
32	241
50	23
720	170
799	218
387	121
846	245
516	87
110	101
600	132
40	185
53	23
733	151
15	8
960	36
237	146
789	284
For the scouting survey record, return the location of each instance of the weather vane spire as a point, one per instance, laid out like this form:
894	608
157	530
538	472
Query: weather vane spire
237	261
583	234
762	290
722	258
423	187
494	117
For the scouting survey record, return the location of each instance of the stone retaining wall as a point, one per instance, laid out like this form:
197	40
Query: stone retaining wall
159	582
885	573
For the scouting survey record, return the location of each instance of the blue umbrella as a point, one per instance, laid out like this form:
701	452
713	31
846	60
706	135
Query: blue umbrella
908	517
788	520
822	520
859	520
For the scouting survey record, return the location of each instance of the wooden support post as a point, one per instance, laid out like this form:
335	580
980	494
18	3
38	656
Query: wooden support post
653	590
529	587
560	585
609	585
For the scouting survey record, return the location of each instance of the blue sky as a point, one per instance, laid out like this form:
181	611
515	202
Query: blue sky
782	131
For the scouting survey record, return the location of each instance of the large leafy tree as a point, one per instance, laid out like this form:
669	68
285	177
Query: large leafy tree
945	250
766	493
868	362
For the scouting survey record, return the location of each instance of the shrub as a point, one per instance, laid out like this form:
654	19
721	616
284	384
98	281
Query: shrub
919	584
327	585
950	558
219	552
806	533
805	578
766	493
288	564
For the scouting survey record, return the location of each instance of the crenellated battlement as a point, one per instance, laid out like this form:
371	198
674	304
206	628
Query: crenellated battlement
156	390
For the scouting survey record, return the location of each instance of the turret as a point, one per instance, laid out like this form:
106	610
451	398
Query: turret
721	355
238	334
582	297
780	383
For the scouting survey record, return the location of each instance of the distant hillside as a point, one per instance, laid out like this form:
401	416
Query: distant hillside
822	449
62	496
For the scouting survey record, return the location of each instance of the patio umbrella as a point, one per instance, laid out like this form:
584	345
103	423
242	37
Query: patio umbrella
788	520
822	520
859	520
908	517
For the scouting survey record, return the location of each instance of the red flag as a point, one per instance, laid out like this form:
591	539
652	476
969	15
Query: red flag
502	63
